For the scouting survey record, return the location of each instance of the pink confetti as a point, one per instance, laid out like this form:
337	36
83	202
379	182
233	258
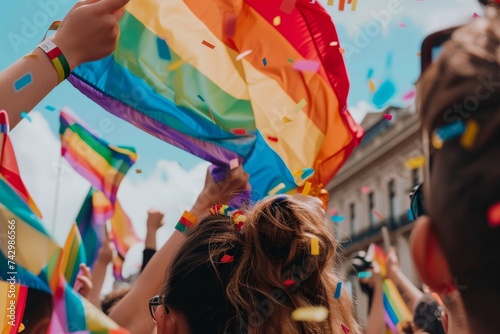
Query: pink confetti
494	215
402	25
233	164
475	16
227	259
289	283
306	65
388	117
365	189
410	95
345	329
230	21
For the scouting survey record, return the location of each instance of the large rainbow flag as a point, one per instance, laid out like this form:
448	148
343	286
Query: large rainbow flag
263	82
102	164
8	164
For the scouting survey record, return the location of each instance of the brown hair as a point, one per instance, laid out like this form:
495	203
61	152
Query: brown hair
112	298
248	295
463	85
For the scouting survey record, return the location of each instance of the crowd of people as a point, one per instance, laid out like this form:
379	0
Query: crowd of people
247	269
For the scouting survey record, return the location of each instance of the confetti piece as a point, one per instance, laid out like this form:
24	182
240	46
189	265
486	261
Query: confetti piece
31	55
287	6
341	5
290	60
277	21
385	92
312	314
273	139
451	131
411	217
365	189
298	172
230	21
402	25
338	219
415	162
494	215
175	65
138	171
306	65
227	258
239	131
302	103
21	328
379	216
371	85
370	73
243	55
419	54
388	117
330	3
23	82
264	61
289	283
286	119
163	49
334	43
338	290
276	189
345	329
410	95
475	16
307	173
24	115
469	137
50	108
342	50
354	5
437	143
314	246
211	46
233	164
365	274
333	212
307	189
201	98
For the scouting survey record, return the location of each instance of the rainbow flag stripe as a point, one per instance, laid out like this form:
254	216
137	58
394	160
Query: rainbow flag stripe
8	164
91	232
73	255
103	165
177	75
12	303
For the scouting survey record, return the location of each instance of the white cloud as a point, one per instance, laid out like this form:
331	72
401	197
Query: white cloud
359	111
169	188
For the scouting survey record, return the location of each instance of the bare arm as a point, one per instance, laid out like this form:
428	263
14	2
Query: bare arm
376	323
36	71
99	273
132	311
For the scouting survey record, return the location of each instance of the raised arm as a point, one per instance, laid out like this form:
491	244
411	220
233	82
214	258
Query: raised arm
154	223
376	323
87	33
132	311
104	257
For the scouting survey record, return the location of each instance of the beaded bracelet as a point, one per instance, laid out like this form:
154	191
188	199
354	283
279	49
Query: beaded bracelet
57	58
186	222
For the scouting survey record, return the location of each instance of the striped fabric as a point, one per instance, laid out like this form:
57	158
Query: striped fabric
73	255
177	74
12	303
103	165
8	164
92	233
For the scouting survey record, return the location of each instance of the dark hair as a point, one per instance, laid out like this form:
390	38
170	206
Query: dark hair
427	315
465	182
38	308
248	295
112	298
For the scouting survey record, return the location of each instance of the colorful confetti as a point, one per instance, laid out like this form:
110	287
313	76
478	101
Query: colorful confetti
227	258
23	82
307	173
370	73
264	61
286	119
239	131
201	98
384	93
287	6
307	189
273	139
410	95
243	55
163	49
494	215
138	171
276	189
437	143
338	219
411	217
289	282
313	314
334	43
277	21
314	246
302	103
230	21
402	25
365	189
342	50
24	115
306	65
290	60
475	16
365	274
345	329
338	290
388	117
211	46
233	164
415	162
371	85
469	137
50	108
330	3
378	214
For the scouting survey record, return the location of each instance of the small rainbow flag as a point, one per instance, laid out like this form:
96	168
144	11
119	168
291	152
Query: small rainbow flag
92	234
104	165
73	255
8	164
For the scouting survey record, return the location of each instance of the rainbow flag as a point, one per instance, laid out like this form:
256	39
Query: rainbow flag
12	303
103	165
8	164
92	233
263	82
73	255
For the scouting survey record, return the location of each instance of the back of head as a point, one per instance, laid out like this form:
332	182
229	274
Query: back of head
248	294
112	298
38	312
463	89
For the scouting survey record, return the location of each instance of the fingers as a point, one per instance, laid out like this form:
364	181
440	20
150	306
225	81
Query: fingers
86	271
111	6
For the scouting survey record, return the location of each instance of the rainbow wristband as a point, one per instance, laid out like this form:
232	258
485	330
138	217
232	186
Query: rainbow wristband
186	222
57	58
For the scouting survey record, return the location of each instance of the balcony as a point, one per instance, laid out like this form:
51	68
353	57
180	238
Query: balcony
376	231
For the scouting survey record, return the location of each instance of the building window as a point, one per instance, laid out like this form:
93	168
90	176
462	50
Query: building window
352	217
415	177
371	207
392	199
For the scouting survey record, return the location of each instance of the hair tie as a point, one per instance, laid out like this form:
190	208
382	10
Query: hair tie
236	216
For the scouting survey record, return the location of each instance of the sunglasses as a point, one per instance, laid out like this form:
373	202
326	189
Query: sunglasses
154	303
417	201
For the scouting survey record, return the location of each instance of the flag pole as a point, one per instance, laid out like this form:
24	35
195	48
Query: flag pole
56	199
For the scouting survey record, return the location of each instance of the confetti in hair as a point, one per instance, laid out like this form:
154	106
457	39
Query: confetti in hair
494	215
312	314
338	290
314	246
